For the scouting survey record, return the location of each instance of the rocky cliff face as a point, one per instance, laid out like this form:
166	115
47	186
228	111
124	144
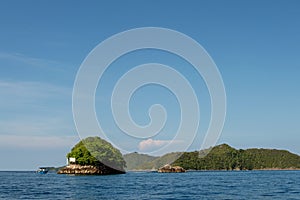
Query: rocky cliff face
88	170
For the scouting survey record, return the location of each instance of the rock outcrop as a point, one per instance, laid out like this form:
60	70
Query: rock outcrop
88	170
170	169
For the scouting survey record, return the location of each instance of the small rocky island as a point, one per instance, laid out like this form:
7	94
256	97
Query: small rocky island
169	169
94	156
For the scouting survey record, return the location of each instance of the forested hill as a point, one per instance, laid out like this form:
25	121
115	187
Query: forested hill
221	157
134	160
224	157
95	151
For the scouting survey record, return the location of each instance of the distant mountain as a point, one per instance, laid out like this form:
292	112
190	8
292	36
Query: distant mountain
221	157
160	161
135	160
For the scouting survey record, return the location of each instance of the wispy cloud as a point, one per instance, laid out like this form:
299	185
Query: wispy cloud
32	61
36	109
31	89
37	125
52	142
20	96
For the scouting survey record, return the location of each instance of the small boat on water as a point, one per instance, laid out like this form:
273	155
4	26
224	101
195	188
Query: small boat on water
42	170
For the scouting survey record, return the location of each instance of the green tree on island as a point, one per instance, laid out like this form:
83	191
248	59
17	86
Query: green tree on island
96	151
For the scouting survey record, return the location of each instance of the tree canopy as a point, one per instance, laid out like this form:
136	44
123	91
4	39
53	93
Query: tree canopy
224	157
96	151
221	157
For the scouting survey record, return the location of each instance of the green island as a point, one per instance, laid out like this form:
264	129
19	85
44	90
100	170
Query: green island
94	155
221	157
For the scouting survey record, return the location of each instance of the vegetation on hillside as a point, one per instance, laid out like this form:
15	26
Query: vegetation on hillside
154	163
96	151
134	160
221	157
224	157
161	161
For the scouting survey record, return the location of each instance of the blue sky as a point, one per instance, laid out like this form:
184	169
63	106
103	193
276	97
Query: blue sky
255	45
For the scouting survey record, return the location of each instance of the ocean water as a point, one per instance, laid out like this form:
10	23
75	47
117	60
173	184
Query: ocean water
147	185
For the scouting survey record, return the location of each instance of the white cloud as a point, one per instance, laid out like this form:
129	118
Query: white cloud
151	144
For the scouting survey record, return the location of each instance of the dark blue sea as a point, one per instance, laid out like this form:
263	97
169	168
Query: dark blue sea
147	185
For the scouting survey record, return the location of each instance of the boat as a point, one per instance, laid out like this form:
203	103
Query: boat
42	170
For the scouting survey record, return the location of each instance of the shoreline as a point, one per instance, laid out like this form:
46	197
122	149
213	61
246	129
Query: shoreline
191	170
277	169
76	169
149	171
